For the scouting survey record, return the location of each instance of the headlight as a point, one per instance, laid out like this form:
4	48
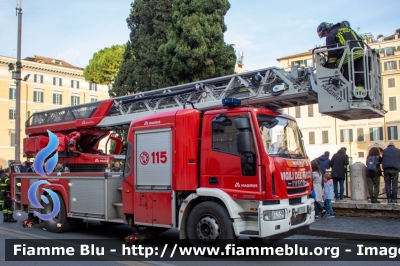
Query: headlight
310	208
274	215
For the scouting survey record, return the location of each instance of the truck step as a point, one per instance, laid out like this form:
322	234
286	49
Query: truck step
119	221
248	213
250	232
119	209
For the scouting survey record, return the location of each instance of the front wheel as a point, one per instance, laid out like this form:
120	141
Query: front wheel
60	223
210	224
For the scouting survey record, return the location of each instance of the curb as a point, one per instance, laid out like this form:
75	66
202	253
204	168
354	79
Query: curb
349	235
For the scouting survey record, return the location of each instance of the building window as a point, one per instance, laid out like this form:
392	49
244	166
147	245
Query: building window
57	81
392	133
57	98
12	93
93	99
375	133
93	86
361	154
311	137
38	96
297	112
346	135
12	139
38	78
325	138
311	110
11	114
74	84
392	103
390	65
391	83
388	51
74	100
360	135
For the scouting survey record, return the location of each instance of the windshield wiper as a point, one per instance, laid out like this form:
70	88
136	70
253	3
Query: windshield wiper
282	155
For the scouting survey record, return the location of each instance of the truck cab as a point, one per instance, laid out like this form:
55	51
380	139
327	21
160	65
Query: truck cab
241	168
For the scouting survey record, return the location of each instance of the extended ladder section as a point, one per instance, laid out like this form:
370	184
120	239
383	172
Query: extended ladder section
270	88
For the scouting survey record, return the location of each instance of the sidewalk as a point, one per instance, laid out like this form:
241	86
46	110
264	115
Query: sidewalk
356	228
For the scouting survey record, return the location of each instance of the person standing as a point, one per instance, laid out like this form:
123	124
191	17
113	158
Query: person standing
391	166
324	163
337	35
373	173
328	195
5	191
1	194
317	177
339	163
117	167
108	169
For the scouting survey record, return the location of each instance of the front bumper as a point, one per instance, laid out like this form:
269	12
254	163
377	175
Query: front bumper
296	216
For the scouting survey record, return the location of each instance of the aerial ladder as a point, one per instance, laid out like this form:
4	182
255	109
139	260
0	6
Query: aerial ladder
81	127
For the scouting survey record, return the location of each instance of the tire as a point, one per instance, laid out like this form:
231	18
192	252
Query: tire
60	223
210	225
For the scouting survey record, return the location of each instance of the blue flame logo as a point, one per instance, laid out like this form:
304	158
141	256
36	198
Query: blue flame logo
49	167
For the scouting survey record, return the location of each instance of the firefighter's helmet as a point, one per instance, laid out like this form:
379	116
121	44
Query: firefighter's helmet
322	27
346	23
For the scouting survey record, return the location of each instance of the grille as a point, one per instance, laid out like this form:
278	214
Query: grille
296	191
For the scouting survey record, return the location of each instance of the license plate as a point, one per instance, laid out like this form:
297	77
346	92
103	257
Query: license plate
301	210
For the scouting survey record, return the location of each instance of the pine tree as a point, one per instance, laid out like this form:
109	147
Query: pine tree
196	49
142	68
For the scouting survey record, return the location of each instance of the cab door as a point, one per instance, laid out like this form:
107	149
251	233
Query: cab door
223	166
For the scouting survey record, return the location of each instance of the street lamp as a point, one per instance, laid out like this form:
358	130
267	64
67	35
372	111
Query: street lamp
17	77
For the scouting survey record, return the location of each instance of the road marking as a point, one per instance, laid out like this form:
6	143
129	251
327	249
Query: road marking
19	234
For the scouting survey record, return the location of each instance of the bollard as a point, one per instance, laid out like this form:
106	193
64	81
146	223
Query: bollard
358	182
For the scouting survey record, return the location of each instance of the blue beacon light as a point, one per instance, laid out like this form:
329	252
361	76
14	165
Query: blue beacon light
231	102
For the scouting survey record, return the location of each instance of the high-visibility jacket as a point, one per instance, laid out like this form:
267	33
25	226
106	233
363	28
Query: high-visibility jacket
5	184
338	35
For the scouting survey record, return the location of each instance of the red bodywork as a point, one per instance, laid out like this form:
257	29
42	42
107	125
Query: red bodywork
82	132
195	164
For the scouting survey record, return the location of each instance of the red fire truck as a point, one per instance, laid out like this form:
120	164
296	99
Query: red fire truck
217	159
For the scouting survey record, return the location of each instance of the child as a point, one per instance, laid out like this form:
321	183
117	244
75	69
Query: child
328	195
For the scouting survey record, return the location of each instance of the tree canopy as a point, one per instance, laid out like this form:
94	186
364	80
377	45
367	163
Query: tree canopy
142	68
174	42
195	49
105	64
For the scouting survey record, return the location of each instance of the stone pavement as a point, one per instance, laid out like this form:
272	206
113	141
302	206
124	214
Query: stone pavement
356	228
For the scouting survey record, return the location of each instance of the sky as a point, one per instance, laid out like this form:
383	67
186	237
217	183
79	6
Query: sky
264	30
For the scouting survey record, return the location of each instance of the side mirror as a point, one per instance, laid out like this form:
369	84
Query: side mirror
242	123
243	138
243	141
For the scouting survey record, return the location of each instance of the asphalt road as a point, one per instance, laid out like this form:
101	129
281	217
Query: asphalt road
113	235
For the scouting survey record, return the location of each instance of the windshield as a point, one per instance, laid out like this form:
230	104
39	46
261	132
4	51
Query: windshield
281	137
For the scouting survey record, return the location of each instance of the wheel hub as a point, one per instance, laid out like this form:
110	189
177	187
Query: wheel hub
208	229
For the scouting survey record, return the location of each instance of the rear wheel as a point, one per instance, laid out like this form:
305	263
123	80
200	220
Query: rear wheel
210	224
59	223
